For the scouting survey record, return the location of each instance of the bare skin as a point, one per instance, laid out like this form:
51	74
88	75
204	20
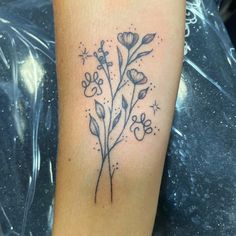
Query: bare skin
124	203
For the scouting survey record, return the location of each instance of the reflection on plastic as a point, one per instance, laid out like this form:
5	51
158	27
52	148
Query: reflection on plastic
28	122
32	74
198	189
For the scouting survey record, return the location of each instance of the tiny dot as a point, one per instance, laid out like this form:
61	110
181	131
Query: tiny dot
117	163
117	168
98	150
69	159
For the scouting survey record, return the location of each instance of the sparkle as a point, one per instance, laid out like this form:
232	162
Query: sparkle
84	55
155	107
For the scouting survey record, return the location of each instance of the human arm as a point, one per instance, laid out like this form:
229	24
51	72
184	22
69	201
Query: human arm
94	194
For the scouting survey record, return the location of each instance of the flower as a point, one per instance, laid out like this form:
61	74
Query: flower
128	39
136	77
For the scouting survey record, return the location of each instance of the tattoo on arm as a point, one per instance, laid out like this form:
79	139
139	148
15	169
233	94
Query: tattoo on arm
125	93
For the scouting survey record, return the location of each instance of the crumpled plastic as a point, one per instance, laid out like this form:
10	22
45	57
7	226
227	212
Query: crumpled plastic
198	189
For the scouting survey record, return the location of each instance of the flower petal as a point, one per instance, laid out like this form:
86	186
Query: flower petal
120	38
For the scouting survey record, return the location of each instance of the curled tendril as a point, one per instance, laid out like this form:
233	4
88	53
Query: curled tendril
141	127
92	85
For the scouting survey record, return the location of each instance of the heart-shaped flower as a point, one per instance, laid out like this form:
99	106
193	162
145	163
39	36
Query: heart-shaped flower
128	39
136	77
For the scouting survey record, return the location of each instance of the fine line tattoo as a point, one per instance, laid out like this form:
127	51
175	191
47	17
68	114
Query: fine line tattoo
117	112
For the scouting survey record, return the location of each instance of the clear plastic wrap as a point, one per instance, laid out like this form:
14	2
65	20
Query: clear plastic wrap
28	120
198	190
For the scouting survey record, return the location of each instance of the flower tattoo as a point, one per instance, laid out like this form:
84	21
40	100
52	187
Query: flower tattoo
136	77
118	113
128	39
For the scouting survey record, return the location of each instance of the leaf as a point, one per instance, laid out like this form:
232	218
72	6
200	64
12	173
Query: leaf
141	54
116	120
148	38
124	103
93	126
120	57
100	110
142	94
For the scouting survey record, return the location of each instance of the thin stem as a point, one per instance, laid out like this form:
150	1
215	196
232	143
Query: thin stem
100	171
131	61
98	181
132	105
101	148
122	75
109	79
105	137
113	172
132	99
110	176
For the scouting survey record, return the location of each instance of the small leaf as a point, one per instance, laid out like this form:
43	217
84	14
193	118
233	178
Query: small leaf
116	120
120	57
142	94
141	54
93	126
100	110
148	38
124	103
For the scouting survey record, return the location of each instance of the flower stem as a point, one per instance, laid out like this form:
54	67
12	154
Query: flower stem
98	181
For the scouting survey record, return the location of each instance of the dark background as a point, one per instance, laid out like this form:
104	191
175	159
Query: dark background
228	13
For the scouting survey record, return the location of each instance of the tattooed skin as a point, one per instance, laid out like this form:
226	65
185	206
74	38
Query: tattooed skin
107	116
